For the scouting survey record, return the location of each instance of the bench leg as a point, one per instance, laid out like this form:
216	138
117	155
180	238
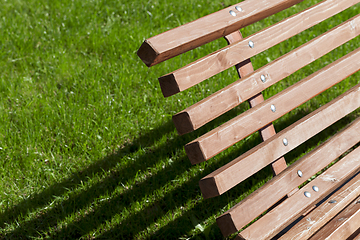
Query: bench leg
244	68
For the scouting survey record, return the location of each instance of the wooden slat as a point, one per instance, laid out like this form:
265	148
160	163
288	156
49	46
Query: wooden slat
269	130
325	212
227	57
226	135
357	237
231	96
206	29
260	156
274	221
262	199
343	225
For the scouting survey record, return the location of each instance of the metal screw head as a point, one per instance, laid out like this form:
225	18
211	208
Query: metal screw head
299	172
251	44
307	194
239	8
332	201
232	13
273	108
263	78
285	142
315	188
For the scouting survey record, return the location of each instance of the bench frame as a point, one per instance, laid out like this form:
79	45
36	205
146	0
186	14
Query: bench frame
316	218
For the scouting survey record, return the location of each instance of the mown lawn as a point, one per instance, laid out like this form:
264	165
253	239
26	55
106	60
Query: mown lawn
87	146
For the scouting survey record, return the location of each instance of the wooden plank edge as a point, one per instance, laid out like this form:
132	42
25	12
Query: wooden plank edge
182	123
238	128
277	219
310	224
147	53
272	191
246	87
222	59
154	50
343	225
195	153
244	166
168	85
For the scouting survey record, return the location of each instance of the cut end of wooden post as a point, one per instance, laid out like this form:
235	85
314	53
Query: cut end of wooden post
239	237
208	187
147	53
183	123
168	85
194	152
226	224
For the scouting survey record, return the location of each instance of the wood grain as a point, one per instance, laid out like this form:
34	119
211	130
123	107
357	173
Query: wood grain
206	29
263	198
343	225
275	220
250	85
229	56
254	119
325	212
260	156
243	69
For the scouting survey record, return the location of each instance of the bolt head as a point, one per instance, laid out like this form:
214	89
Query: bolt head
307	194
285	142
273	108
332	201
263	78
299	172
232	13
315	188
251	44
239	8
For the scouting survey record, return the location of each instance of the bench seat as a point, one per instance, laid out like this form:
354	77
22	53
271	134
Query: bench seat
315	197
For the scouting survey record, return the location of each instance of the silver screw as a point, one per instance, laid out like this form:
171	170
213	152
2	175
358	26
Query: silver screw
299	172
239	8
332	201
263	78
285	142
315	188
251	44
232	13
273	108
307	194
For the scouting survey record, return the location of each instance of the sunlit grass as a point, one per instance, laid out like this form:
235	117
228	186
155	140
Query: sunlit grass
87	146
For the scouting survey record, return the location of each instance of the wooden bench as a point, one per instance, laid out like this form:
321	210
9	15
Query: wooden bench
324	208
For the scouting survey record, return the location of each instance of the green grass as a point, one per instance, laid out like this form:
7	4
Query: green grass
87	146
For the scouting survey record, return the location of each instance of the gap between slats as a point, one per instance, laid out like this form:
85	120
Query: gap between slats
262	199
231	96
231	132
260	156
206	29
233	54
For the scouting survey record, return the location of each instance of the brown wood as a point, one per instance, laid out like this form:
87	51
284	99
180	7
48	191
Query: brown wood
268	131
229	56
250	85
275	220
206	29
356	237
279	197
343	225
325	212
252	120
275	189
260	156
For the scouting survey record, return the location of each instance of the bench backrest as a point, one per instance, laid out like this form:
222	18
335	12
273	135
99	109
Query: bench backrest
259	117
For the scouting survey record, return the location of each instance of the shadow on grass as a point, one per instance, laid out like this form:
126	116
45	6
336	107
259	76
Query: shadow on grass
169	201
